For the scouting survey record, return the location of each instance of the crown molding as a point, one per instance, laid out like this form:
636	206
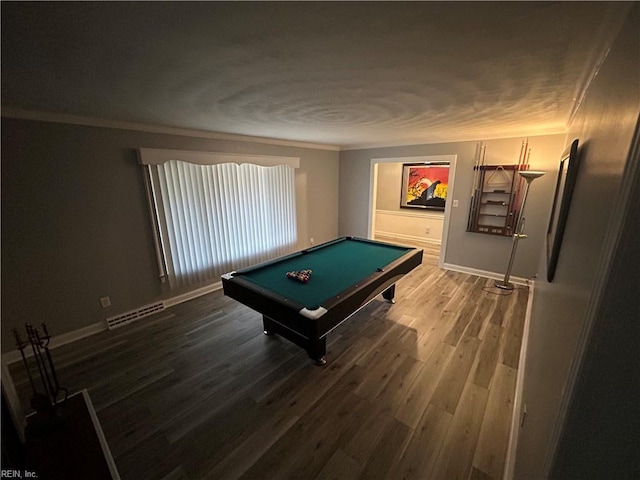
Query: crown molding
605	35
70	119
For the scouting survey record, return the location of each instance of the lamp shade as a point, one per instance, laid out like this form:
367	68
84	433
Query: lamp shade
531	175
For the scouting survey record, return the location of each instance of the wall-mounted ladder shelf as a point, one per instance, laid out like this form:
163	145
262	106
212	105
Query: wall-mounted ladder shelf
496	210
496	196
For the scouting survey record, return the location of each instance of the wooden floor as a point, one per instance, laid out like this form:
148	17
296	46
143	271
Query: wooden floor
421	389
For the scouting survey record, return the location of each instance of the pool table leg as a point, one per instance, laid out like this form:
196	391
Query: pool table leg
389	293
320	361
268	326
316	348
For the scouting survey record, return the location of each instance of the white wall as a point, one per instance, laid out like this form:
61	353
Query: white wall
569	311
402	224
75	222
409	226
476	251
599	438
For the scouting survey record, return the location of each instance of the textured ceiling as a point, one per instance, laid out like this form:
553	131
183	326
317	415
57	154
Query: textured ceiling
337	73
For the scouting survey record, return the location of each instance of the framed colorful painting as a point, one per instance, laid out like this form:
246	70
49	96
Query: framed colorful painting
424	185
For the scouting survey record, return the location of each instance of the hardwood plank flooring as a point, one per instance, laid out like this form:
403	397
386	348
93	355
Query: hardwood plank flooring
488	456
422	389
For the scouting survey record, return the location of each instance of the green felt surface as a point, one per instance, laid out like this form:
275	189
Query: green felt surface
335	268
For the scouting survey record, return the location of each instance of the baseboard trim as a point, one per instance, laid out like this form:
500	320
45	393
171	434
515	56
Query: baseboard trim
74	335
58	340
185	297
485	273
510	460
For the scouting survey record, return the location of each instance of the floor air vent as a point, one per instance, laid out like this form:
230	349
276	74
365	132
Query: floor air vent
133	315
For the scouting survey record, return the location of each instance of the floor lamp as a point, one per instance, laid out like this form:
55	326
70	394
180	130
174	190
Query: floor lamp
529	176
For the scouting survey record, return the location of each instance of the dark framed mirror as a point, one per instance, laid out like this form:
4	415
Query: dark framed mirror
565	184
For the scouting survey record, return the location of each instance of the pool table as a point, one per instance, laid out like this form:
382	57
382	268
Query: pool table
347	273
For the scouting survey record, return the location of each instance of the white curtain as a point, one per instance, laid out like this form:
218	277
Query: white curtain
212	219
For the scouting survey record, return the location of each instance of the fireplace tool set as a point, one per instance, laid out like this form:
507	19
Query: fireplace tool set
54	395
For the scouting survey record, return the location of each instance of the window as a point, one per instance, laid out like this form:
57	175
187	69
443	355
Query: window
218	212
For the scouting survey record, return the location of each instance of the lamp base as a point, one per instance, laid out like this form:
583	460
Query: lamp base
504	285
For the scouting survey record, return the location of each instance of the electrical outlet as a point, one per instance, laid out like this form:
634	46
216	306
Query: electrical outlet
105	302
455	203
427	230
311	241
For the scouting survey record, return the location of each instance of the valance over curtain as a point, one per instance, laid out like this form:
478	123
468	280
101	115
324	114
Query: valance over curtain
214	217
